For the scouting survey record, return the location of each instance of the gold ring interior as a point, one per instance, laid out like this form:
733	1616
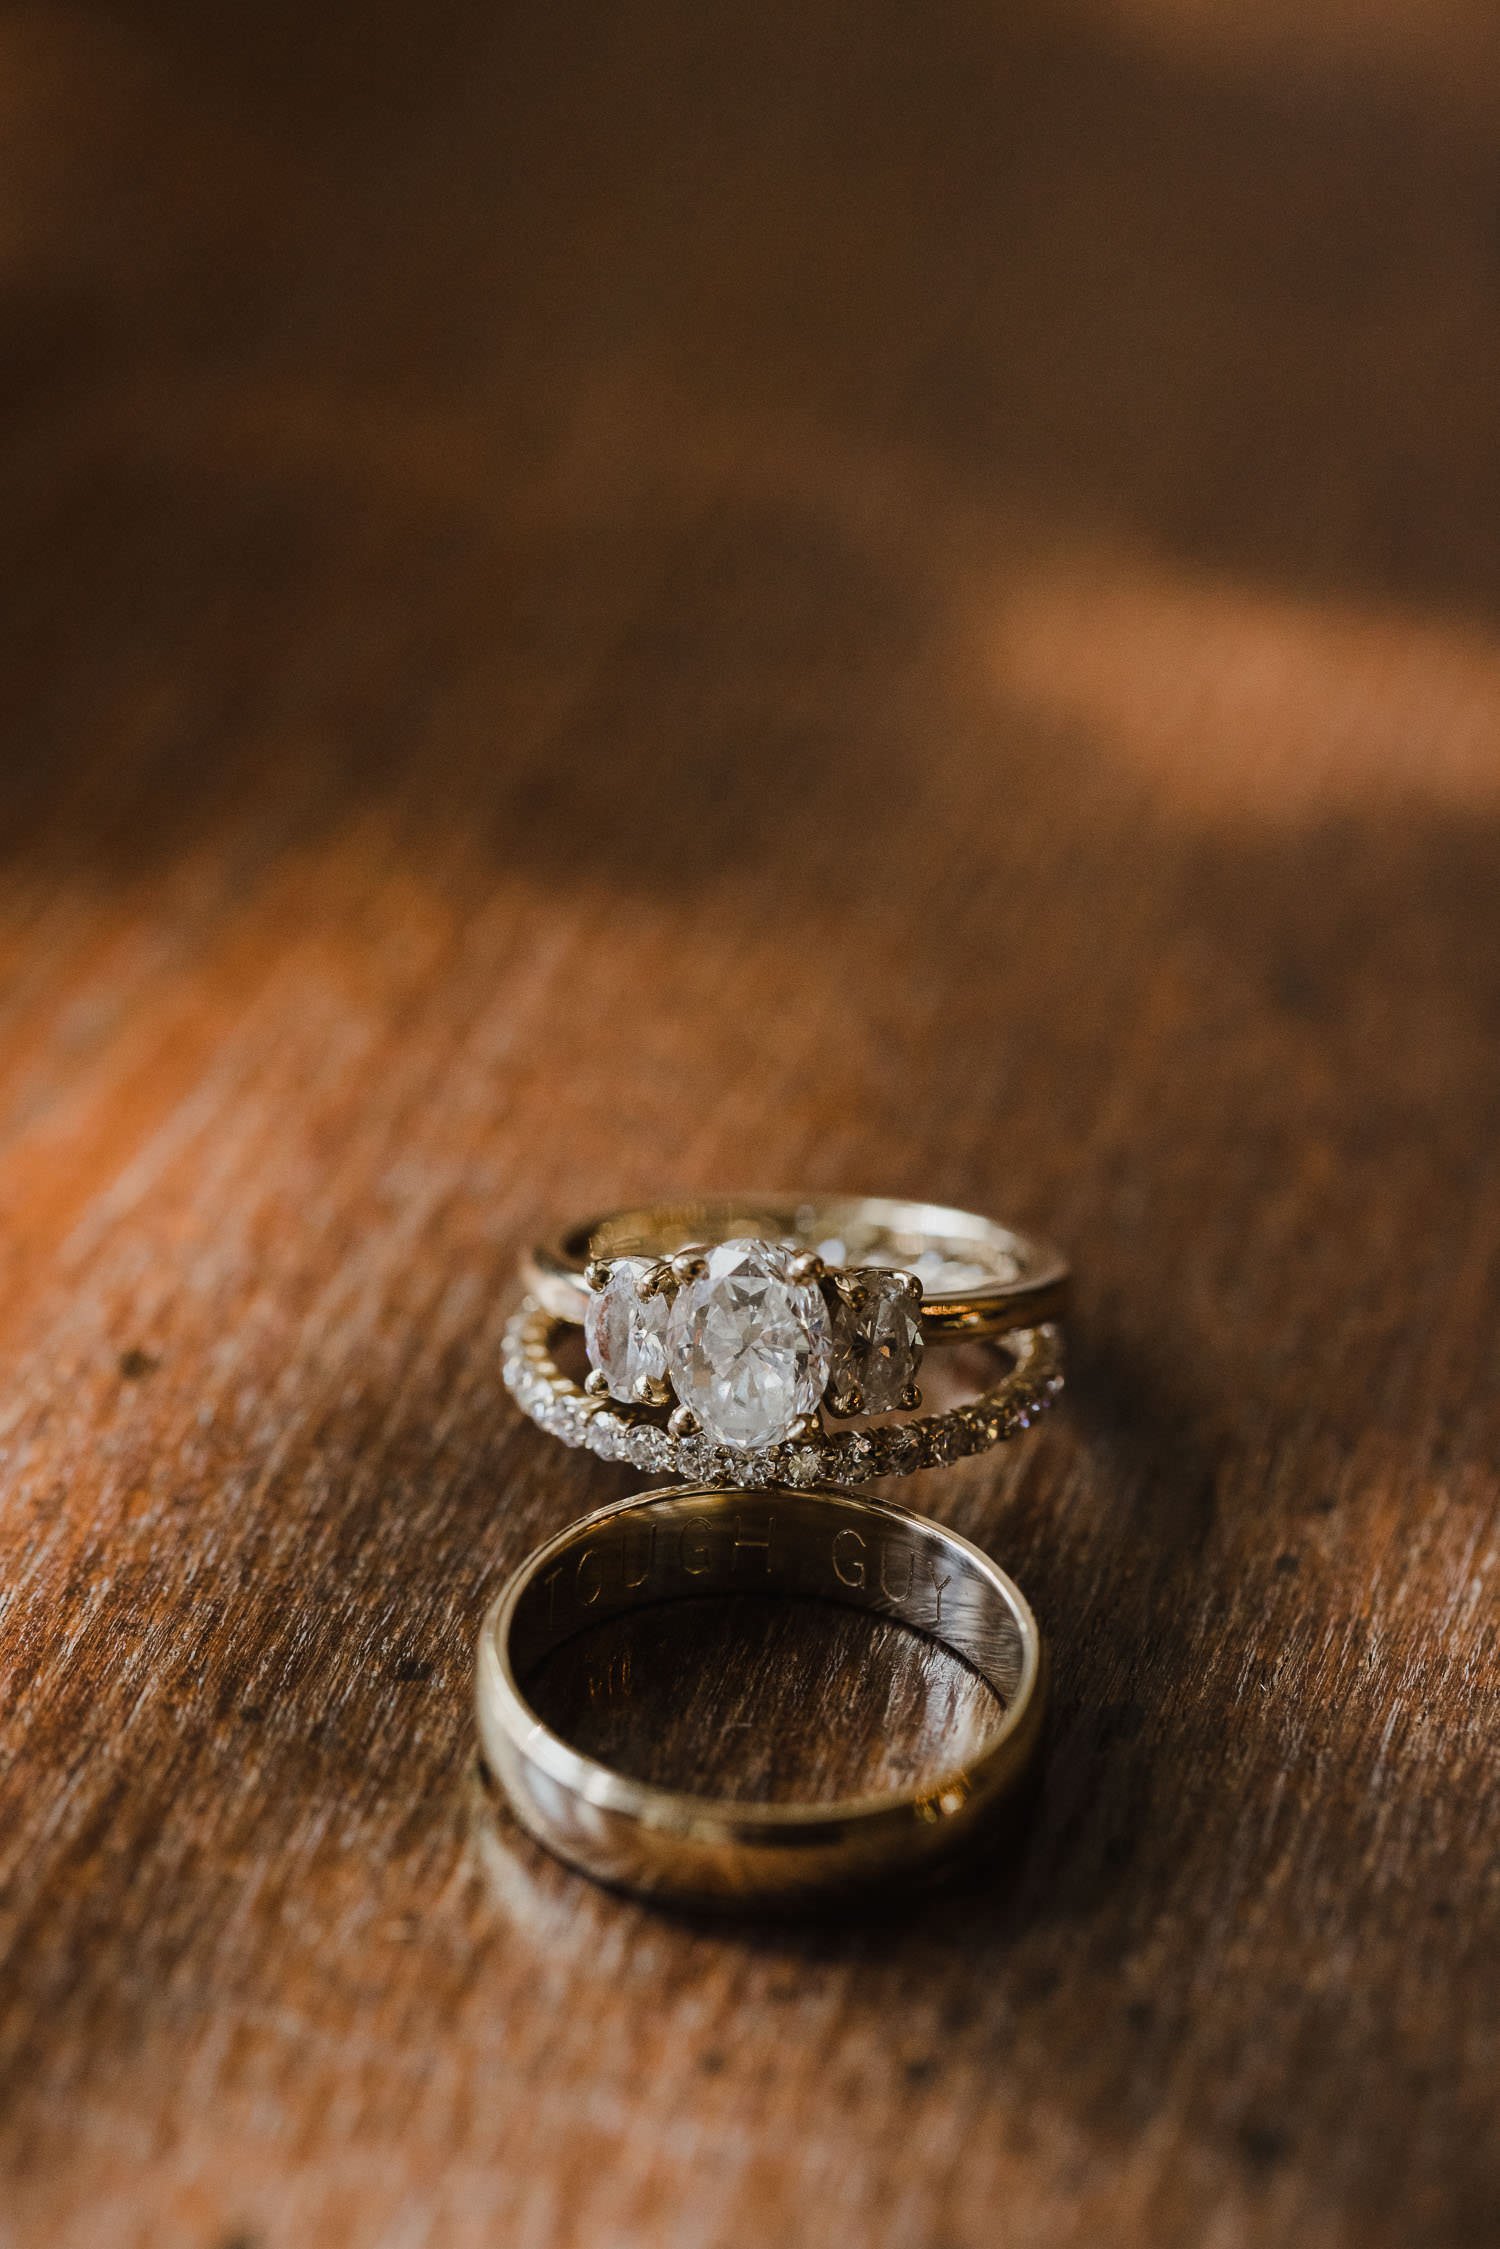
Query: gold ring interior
822	1544
897	1567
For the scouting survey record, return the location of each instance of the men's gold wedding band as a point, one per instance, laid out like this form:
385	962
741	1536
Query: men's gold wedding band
689	1541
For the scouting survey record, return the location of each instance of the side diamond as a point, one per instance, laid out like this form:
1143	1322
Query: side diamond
626	1339
877	1342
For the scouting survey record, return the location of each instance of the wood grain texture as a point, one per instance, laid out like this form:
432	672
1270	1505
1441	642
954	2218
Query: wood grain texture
602	599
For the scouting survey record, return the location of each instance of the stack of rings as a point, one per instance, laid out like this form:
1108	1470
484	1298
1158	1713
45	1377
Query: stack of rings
721	1338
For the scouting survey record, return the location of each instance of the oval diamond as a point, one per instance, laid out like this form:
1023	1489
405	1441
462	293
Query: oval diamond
748	1345
625	1338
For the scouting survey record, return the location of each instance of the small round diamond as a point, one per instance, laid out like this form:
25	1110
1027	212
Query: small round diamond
748	1344
697	1457
651	1448
607	1436
626	1338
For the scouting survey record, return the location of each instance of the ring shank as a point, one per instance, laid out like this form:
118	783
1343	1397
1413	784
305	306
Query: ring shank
979	1279
681	1543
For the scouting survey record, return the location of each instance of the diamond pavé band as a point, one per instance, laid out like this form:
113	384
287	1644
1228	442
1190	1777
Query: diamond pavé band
637	1434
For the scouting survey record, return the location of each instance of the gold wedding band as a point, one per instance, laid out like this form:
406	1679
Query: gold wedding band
979	1279
689	1541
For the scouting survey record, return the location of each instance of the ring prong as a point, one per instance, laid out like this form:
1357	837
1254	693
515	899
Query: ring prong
596	1274
648	1391
911	1397
657	1280
596	1383
807	1266
805	1425
687	1265
843	1403
684	1422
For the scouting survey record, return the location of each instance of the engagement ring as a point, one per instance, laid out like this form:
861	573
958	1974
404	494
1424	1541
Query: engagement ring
719	1335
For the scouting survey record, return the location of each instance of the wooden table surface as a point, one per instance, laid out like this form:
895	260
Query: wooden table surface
602	599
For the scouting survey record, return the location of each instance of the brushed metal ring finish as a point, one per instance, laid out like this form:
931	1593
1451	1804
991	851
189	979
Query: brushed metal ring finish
1011	1280
684	1542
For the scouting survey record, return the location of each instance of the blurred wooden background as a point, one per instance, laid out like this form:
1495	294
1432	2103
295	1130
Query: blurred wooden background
880	596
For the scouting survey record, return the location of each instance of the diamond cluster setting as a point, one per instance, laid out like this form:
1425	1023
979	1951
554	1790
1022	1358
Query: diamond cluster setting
752	1337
